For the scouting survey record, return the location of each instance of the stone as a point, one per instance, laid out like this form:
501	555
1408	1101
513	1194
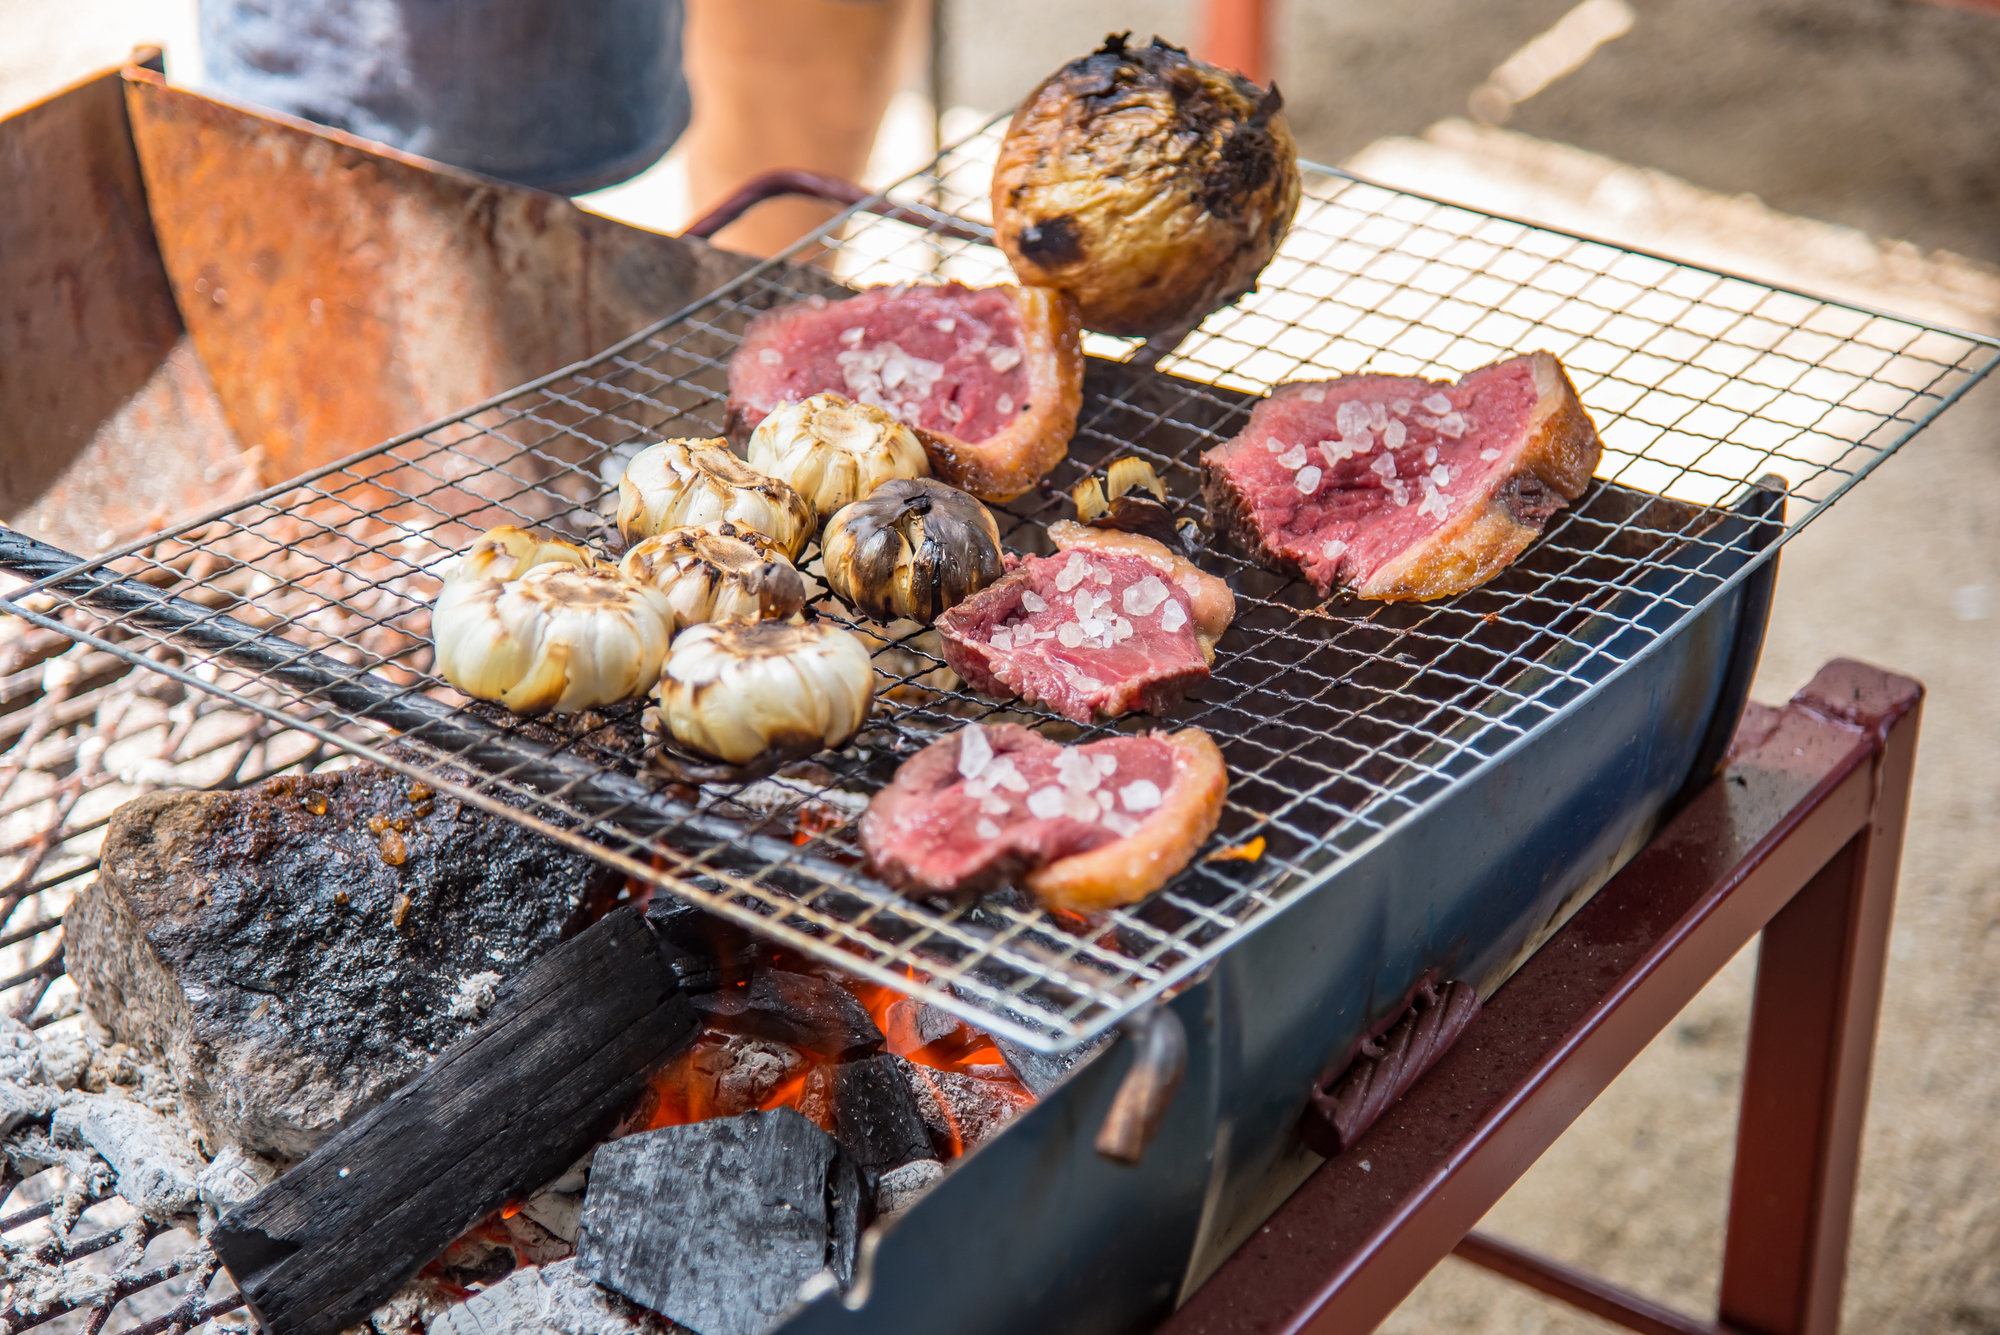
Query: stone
297	950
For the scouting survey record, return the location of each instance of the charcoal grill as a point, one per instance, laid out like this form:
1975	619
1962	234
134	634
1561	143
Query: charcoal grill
1432	784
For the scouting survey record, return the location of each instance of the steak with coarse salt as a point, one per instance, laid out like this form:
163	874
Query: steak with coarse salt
1083	632
1399	488
1082	828
990	377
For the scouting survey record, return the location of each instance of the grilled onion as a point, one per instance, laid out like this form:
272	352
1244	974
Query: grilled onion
679	483
834	451
764	690
508	552
717	572
557	638
911	549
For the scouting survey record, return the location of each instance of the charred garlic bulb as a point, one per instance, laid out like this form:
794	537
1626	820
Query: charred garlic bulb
834	451
762	690
717	572
508	552
679	483
911	549
558	638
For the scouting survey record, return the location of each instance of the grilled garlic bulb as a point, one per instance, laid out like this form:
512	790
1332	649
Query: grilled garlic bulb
508	552
912	549
744	691
717	572
835	451
558	638
679	483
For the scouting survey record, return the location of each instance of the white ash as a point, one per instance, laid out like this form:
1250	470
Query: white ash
473	996
900	1188
556	1299
156	1166
233	1177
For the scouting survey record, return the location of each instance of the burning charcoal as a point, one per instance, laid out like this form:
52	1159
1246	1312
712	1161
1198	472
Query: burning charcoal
961	1112
557	1299
1043	1071
719	951
816	1014
301	948
156	1168
878	1122
738	1074
725	1226
911	1024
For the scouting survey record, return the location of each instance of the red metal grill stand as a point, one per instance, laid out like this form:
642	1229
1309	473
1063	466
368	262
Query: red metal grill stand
1800	840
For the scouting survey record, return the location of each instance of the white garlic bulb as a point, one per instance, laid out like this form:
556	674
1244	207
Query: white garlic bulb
834	451
743	691
681	483
558	638
717	572
508	552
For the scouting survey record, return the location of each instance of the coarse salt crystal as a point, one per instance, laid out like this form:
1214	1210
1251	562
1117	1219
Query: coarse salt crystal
994	806
1100	575
1045	635
1441	475
1073	573
1401	407
1489	455
1313	394
1001	638
1172	617
1452	425
1107	764
1046	803
852	337
1334	549
1106	800
1394	434
1435	502
1351	418
1076	770
1004	404
946	325
1140	795
1069	634
1120	824
1121	629
987	829
1438	403
1430	455
1083	603
1275	446
1142	598
975	752
1004	359
1100	603
952	412
1191	584
771	357
1002	774
1080	806
1032	601
894	372
1378	416
1399	493
1295	457
1384	467
1308	480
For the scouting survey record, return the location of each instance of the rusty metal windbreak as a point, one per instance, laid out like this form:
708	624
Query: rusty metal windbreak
308	605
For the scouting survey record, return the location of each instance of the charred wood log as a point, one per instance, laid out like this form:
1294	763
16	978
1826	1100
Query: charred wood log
726	1226
571	1040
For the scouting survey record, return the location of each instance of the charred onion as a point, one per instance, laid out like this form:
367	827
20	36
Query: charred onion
1151	187
911	549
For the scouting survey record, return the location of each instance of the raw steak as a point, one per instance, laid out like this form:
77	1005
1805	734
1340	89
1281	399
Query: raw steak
299	949
992	377
1082	632
1399	488
1082	827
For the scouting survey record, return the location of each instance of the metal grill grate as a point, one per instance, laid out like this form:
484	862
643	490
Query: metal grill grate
308	605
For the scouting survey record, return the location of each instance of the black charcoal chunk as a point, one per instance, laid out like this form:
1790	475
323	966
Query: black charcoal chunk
715	952
876	1116
961	1112
1041	1072
805	1011
725	1226
298	949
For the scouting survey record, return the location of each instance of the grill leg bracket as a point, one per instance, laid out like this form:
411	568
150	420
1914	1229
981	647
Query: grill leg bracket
1798	840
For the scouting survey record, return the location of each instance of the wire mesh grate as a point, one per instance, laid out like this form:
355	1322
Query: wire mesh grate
308	605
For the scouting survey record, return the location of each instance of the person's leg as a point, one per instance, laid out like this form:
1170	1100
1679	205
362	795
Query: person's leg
784	83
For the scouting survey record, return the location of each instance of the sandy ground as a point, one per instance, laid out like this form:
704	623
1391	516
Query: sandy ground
1869	115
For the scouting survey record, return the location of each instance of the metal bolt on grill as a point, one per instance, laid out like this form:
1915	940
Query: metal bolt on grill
303	612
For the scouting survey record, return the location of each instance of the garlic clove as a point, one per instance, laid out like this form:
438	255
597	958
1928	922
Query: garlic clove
1128	473
833	451
681	483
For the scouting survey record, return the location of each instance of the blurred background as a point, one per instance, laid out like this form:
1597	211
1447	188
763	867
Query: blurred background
1847	147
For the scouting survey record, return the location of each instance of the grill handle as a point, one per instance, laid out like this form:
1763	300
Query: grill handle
1149	1085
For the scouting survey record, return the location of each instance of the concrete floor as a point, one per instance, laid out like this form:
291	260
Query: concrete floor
1873	115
